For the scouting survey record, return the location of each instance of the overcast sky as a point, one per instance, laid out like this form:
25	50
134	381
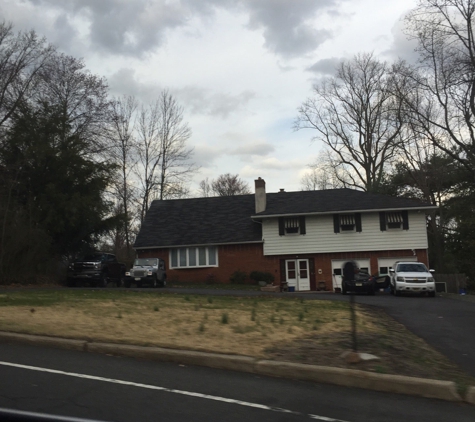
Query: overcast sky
240	68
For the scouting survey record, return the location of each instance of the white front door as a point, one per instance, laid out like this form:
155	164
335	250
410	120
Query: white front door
297	274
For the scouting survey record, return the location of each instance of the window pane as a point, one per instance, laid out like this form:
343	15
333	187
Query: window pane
212	255
174	258
182	257
202	256
192	257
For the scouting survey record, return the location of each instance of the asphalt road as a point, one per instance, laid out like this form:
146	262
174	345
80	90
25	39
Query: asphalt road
109	388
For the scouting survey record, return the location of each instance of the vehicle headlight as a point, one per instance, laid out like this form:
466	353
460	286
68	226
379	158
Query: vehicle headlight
149	273
97	265
127	273
430	279
399	278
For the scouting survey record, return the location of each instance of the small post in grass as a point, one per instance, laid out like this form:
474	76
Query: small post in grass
349	271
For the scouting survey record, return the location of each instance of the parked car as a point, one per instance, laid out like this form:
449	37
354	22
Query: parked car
411	277
97	269
150	271
355	280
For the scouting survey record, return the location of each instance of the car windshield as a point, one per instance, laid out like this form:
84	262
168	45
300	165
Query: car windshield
145	262
412	268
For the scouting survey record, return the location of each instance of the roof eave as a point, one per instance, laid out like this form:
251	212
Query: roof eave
431	207
196	245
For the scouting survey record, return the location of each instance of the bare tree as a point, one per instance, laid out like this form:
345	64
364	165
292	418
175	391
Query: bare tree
165	164
322	174
205	189
358	118
229	185
121	151
444	107
82	98
22	56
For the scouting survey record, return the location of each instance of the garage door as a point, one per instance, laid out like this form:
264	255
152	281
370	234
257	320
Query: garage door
384	264
337	265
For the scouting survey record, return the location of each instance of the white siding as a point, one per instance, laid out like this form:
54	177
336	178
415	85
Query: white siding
320	237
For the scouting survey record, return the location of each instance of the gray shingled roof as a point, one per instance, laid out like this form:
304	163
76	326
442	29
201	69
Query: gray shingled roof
334	200
227	219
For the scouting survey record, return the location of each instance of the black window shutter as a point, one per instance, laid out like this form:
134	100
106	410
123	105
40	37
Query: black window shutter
382	221
405	220
283	276
358	222
303	229
281	226
336	223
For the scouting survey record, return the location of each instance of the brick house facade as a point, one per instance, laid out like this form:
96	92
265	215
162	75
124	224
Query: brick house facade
208	239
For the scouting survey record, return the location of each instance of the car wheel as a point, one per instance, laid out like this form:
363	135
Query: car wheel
164	282
155	282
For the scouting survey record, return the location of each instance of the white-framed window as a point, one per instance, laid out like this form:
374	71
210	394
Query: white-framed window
192	257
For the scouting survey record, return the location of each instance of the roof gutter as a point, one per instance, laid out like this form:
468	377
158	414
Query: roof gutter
196	245
431	207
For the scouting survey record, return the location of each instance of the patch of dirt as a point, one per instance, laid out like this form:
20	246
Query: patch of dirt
400	352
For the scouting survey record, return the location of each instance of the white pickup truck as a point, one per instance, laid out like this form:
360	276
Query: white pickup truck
411	277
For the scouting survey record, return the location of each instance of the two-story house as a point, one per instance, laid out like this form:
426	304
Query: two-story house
302	238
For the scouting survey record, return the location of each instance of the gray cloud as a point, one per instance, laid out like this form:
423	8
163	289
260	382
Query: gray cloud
402	47
286	24
325	66
219	104
134	28
255	149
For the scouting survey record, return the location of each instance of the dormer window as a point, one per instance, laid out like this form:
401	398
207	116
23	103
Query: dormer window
347	223
291	226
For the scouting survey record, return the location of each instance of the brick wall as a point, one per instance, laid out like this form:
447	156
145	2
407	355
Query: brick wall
249	257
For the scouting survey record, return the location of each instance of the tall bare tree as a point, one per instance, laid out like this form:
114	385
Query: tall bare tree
121	150
81	97
165	164
444	107
22	56
358	118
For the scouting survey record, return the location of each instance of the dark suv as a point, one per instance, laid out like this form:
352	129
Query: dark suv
97	269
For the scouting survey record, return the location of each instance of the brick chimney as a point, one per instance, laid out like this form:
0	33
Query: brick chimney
260	186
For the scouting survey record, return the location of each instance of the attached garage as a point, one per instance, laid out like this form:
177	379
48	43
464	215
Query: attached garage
337	264
385	264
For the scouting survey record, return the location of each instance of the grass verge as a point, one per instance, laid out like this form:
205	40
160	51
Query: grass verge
289	329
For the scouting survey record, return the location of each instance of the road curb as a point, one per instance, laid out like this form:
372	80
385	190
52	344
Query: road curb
470	395
444	390
186	357
60	343
421	387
